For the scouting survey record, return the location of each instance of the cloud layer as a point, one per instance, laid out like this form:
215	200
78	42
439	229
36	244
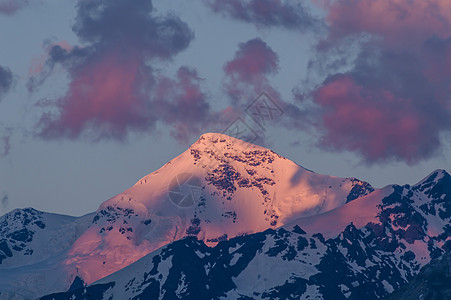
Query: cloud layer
113	87
5	140
10	7
394	101
266	13
181	103
6	80
5	200
397	22
247	73
391	103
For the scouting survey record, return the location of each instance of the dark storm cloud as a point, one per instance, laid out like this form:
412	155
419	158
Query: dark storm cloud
113	86
266	13
393	102
6	81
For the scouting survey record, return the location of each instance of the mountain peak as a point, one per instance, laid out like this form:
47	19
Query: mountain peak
215	149
435	175
212	139
219	188
209	135
432	179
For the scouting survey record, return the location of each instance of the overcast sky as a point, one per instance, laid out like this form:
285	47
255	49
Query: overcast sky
96	94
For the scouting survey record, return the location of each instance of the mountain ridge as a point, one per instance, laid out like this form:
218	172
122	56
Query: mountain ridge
410	227
241	190
244	188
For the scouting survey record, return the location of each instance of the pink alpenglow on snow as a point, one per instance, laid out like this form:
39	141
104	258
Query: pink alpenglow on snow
249	189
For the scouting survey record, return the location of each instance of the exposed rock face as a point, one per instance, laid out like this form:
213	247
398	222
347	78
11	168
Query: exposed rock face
432	283
403	228
219	188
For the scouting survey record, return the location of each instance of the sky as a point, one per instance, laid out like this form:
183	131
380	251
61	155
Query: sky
96	94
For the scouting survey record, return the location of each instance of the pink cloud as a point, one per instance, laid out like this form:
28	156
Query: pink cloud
247	73
253	60
248	77
10	7
182	103
114	89
393	102
107	96
436	60
397	22
375	123
38	63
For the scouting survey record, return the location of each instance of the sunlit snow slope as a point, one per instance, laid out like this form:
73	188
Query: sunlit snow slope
219	188
32	246
365	249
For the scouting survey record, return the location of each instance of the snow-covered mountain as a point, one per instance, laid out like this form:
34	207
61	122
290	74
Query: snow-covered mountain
365	249
218	189
32	243
432	283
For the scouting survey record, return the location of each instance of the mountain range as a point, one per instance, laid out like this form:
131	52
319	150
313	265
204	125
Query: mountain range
231	220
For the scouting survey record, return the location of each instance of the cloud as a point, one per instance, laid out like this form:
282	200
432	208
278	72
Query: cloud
38	64
392	102
5	140
103	95
6	145
6	80
396	22
10	7
374	122
113	83
247	73
182	103
254	102
266	13
253	59
5	200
